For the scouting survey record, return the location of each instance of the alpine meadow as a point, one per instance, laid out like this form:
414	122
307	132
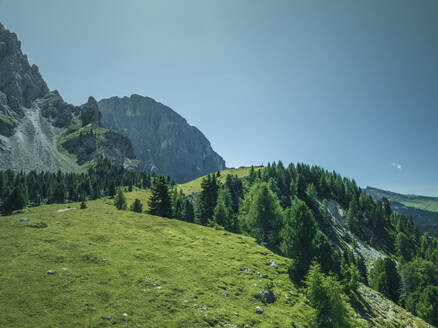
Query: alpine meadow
316	207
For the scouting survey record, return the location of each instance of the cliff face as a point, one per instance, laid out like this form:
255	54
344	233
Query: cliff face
162	140
33	120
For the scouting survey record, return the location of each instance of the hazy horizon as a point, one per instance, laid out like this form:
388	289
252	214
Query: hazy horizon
347	86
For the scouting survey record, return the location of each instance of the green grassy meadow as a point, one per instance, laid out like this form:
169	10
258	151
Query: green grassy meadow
195	185
161	272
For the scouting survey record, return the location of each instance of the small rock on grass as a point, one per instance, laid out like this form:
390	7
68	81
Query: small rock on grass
40	225
51	272
24	220
259	310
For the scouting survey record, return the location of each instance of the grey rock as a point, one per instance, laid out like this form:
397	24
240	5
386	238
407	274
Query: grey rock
266	297
24	220
162	140
90	112
226	295
259	310
51	272
56	110
111	145
40	225
273	264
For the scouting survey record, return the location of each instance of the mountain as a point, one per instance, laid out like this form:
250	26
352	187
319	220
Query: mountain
40	131
422	209
163	141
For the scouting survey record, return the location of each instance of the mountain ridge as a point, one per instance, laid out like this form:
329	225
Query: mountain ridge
40	131
422	209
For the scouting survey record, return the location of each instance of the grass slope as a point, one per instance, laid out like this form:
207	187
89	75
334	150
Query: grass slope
194	186
161	272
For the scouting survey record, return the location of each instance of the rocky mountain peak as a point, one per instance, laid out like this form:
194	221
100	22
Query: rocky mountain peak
90	112
21	82
163	141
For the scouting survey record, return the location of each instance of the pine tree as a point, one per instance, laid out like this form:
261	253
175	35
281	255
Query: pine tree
223	213
385	278
159	202
188	211
261	215
325	295
137	206
207	199
120	200
15	200
298	238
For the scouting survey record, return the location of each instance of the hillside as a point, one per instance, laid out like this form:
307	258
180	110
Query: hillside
422	209
194	186
160	272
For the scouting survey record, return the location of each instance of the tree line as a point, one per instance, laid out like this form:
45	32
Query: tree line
286	209
18	189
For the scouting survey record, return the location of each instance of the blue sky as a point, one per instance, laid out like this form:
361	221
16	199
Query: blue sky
351	86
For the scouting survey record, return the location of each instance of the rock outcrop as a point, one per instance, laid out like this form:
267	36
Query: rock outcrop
163	141
19	81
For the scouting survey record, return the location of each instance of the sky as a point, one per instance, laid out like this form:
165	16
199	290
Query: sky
350	86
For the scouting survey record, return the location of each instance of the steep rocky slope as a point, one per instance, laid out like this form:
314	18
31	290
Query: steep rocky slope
163	141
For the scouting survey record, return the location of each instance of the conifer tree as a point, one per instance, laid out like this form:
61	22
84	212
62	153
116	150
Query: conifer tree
15	200
188	211
261	215
120	200
159	202
137	206
298	238
325	295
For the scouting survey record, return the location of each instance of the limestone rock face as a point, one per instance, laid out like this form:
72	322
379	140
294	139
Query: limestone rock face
90	112
162	140
19	81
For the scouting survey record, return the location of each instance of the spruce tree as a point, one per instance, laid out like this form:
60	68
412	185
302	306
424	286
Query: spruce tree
159	202
120	200
188	211
261	215
137	206
298	238
15	200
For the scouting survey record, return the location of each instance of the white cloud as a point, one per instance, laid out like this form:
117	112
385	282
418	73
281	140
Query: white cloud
398	166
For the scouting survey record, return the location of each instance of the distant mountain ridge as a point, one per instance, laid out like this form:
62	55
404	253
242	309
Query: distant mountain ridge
40	131
422	209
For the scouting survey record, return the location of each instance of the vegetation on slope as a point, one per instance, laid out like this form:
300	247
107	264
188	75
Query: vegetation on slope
160	272
287	210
